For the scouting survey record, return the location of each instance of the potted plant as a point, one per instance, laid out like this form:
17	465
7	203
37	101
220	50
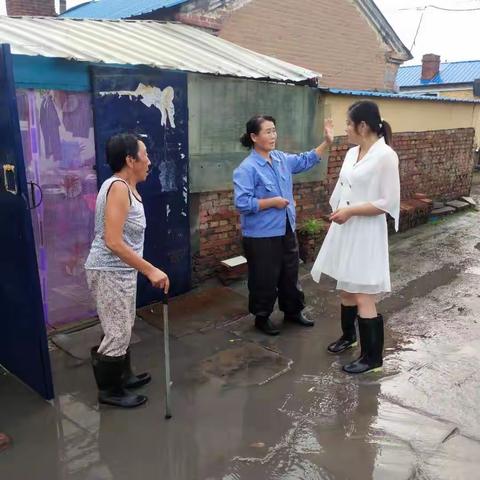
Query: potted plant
310	235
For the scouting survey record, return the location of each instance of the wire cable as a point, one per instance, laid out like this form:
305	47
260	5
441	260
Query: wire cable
418	29
445	9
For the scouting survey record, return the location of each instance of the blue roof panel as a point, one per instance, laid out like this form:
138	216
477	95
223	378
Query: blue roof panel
450	73
118	9
396	96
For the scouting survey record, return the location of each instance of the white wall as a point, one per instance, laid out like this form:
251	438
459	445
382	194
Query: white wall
73	3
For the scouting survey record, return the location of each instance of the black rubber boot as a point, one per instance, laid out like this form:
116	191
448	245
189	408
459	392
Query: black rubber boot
371	340
108	373
299	318
130	380
349	337
265	325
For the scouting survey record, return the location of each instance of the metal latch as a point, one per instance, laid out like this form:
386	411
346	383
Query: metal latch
9	178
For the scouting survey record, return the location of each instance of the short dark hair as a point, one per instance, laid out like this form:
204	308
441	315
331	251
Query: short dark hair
253	126
119	147
368	112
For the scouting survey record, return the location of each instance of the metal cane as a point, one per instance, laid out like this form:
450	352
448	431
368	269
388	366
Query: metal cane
168	382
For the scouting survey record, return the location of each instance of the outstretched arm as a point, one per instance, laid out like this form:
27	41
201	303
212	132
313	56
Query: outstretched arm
304	161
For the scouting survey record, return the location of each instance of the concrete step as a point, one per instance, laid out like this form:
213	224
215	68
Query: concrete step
440	212
458	205
470	201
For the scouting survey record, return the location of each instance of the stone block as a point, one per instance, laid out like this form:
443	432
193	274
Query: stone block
469	200
440	212
458	204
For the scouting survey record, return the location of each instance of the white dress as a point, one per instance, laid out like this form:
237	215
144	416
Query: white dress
356	253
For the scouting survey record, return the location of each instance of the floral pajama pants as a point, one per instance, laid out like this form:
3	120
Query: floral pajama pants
114	293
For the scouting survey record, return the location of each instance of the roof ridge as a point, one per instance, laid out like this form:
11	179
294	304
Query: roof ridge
444	63
136	9
398	96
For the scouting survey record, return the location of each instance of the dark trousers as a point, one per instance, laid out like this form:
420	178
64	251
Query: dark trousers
273	272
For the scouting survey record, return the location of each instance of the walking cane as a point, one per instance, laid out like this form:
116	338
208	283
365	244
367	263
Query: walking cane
168	383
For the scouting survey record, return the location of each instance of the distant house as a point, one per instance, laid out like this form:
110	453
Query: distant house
433	78
349	41
41	8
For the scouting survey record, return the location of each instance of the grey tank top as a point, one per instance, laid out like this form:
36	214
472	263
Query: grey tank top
100	256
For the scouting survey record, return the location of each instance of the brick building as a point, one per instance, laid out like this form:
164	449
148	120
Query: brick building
436	79
350	42
41	8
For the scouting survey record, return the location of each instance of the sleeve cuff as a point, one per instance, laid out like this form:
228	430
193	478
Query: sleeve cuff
317	157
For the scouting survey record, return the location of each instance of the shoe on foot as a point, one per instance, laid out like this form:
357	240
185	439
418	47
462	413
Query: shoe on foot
371	341
265	325
362	365
349	334
299	318
108	372
130	379
342	344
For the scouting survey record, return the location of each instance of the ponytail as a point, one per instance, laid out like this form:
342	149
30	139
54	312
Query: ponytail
386	132
246	140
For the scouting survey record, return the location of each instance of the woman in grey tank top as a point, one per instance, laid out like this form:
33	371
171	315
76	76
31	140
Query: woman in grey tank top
112	265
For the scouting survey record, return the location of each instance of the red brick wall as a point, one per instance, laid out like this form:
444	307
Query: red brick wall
31	7
219	230
438	164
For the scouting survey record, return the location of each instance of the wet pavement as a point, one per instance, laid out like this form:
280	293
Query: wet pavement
250	407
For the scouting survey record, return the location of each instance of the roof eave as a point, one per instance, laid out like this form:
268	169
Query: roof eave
400	52
395	96
71	39
435	85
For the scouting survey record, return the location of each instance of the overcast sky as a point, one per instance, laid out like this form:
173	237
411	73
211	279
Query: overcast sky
451	34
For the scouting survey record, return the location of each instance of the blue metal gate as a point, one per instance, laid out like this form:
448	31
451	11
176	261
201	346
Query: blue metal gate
153	104
23	339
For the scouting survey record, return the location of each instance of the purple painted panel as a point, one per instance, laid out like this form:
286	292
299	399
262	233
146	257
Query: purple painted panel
59	148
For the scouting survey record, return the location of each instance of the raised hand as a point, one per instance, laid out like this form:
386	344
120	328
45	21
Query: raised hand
328	130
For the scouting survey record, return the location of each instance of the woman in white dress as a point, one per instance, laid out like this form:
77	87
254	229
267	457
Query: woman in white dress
355	250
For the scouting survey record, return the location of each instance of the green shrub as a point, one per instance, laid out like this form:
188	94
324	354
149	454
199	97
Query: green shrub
312	226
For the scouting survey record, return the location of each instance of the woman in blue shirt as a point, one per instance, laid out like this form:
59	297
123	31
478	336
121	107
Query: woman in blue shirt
263	190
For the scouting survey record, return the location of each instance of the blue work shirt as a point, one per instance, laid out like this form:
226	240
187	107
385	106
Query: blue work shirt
256	179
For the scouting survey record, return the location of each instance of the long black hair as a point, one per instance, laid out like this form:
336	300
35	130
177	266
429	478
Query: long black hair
368	112
254	125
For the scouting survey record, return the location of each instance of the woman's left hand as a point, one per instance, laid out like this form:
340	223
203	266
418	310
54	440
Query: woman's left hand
341	215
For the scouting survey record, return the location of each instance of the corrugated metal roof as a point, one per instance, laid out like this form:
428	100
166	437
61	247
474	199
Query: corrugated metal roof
169	46
117	9
450	73
396	96
123	9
